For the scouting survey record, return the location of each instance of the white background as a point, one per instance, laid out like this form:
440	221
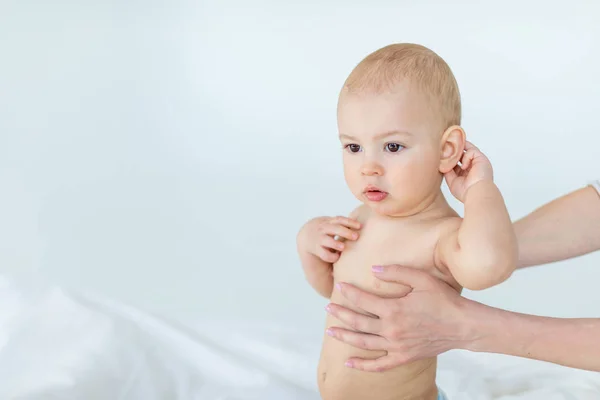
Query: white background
166	153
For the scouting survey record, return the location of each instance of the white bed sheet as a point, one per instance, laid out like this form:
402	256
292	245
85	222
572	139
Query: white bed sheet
59	344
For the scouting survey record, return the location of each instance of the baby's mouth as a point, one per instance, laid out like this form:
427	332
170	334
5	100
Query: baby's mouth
373	193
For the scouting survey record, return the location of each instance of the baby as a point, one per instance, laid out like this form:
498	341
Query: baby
399	115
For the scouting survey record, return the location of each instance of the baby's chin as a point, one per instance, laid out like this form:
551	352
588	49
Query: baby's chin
394	206
390	212
389	207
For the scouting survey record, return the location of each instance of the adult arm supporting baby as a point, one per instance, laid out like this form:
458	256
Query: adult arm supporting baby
454	322
571	342
564	228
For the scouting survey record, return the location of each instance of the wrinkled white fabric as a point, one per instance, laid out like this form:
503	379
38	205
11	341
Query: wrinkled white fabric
57	344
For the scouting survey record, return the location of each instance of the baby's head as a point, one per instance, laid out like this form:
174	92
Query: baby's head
399	113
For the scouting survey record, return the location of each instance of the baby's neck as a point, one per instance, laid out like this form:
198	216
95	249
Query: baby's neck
437	206
433	207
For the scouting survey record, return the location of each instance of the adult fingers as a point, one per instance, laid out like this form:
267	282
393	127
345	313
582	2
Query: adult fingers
355	320
364	300
361	340
412	278
380	364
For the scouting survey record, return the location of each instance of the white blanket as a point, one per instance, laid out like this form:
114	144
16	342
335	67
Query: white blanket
56	344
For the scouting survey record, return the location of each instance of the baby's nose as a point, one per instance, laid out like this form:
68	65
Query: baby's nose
371	168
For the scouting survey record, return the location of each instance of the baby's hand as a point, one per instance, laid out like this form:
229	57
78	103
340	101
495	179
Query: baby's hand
318	236
474	167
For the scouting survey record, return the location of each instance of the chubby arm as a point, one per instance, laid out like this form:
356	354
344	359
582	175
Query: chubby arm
318	272
318	249
481	251
566	227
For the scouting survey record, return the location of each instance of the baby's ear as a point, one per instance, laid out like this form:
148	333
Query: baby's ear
453	146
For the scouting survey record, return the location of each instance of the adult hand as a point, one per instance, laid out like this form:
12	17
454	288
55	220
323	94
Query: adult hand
420	323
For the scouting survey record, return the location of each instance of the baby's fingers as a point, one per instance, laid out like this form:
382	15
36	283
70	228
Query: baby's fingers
467	159
347	222
340	231
330	243
452	175
327	255
470	146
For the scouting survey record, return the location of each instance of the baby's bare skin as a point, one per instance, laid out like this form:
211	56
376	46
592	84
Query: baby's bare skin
377	245
399	127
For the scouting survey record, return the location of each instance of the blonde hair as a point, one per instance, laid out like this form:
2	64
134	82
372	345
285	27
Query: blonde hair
385	68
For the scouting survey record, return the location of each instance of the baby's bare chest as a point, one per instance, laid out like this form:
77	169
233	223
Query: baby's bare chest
411	245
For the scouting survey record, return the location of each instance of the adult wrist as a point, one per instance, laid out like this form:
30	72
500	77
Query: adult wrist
465	331
492	330
483	327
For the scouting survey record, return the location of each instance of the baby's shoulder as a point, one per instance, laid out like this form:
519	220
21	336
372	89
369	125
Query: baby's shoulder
447	225
360	213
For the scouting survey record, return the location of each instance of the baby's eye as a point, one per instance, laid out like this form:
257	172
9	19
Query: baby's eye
353	148
393	147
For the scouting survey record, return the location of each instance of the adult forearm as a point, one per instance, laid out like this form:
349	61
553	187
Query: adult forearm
564	228
569	342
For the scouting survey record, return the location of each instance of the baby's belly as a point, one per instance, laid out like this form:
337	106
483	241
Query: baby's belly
415	380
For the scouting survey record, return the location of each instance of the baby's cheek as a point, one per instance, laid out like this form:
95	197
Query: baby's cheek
426	168
354	184
409	174
414	180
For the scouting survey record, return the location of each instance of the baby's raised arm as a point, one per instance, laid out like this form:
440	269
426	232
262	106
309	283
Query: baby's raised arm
481	250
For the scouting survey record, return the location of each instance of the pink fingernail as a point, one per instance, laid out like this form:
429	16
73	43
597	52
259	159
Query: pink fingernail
338	286
377	268
329	332
349	364
328	308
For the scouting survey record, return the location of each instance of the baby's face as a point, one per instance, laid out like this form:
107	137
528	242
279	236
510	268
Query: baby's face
392	150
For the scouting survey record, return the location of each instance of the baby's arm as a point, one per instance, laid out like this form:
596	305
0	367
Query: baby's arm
318	249
481	251
317	265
